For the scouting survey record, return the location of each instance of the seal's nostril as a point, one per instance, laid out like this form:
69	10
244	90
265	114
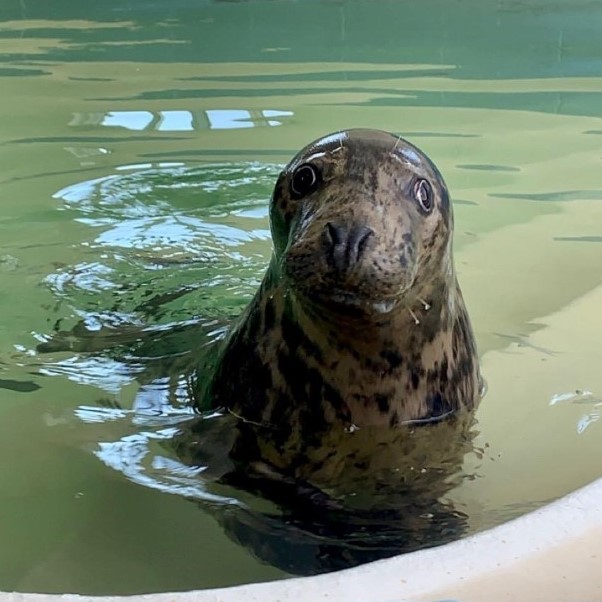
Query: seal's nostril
335	234
345	246
358	240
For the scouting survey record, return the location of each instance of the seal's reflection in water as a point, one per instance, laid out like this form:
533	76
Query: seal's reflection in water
381	493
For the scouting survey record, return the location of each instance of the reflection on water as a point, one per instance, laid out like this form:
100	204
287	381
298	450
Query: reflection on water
593	406
139	147
167	276
140	457
154	243
182	121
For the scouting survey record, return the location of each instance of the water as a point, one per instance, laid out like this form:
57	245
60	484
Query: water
139	143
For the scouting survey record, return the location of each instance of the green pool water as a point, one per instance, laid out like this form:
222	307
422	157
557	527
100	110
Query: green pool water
139	141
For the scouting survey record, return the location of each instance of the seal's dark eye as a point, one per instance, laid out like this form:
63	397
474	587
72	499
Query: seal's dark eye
305	179
424	195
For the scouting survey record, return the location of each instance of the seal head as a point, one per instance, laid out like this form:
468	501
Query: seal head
361	221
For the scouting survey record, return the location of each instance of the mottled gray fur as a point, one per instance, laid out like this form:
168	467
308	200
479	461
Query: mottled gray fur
359	322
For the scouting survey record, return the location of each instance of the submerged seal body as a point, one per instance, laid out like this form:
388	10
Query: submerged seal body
359	321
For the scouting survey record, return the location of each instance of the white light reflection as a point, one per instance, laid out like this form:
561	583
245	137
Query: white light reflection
581	397
161	233
183	120
132	457
104	373
131	120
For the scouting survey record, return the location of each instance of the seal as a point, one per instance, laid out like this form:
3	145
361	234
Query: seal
359	321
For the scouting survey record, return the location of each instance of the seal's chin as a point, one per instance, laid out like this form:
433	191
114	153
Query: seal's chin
345	302
384	307
366	306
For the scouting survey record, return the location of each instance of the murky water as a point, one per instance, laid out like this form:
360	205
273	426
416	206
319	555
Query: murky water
138	147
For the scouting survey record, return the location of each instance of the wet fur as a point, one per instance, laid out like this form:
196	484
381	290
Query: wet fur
321	352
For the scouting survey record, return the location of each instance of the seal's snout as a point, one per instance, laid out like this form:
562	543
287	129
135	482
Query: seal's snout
345	245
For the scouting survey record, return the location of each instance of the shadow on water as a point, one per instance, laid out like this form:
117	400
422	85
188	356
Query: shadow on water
167	279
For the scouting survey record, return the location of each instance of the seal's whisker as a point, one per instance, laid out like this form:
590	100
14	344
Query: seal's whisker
425	304
416	320
246	420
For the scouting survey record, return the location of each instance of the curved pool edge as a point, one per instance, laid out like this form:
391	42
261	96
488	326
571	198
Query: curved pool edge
553	554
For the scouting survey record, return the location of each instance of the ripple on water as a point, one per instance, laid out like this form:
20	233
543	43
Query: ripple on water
173	254
164	232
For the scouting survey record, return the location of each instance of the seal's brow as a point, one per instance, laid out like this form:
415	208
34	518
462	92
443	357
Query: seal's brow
315	156
406	156
339	148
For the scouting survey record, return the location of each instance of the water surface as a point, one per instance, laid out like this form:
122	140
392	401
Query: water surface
139	144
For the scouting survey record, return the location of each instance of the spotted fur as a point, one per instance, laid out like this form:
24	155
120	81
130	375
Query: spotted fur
332	343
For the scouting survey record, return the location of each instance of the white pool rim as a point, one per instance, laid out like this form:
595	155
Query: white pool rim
553	554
